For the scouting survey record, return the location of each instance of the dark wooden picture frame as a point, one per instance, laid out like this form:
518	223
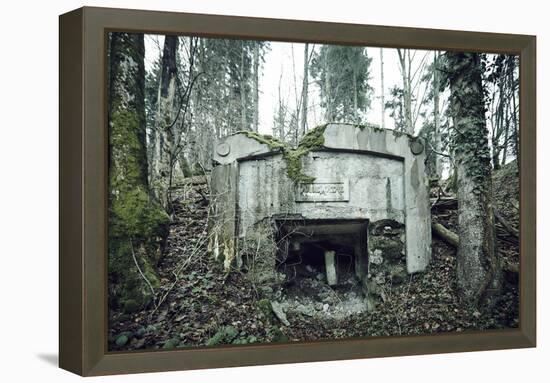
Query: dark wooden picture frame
83	190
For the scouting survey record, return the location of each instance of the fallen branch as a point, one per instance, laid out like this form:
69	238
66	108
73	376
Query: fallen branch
447	235
444	203
505	224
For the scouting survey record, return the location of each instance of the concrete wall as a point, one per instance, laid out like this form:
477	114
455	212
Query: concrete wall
360	172
375	188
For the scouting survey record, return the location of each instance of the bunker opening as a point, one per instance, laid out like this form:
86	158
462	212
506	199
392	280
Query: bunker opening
333	251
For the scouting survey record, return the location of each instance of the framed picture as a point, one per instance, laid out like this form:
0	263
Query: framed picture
242	191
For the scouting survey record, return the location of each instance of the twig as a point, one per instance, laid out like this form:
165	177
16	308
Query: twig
139	269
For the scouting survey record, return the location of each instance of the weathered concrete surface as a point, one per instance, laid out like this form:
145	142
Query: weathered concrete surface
330	267
236	147
375	188
222	213
360	173
417	212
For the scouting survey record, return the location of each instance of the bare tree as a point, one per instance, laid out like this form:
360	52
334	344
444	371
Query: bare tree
382	89
256	67
437	117
305	83
165	120
405	68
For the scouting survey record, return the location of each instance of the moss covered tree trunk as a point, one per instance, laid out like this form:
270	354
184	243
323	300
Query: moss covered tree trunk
137	226
478	271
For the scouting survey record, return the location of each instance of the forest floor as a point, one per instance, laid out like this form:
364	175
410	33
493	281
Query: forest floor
198	304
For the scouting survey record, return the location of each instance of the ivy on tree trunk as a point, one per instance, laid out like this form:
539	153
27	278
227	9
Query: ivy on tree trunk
477	265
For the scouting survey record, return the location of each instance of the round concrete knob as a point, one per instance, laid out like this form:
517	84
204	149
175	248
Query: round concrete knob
417	146
223	149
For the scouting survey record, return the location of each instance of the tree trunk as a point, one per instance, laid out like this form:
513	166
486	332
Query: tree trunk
477	265
514	108
255	84
506	134
328	92
405	75
305	83
243	90
156	142
437	133
165	119
137	226
382	100
355	105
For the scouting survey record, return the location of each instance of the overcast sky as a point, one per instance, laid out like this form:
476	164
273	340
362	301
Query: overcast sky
284	63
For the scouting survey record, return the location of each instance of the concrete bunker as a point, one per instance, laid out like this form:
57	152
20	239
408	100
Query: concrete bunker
348	200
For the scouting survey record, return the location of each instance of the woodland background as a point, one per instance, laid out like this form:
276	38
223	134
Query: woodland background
37	359
164	117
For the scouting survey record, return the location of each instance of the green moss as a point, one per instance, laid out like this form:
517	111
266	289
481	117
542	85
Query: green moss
314	139
270	141
130	306
265	307
170	344
398	273
294	166
134	214
278	335
137	228
391	249
224	335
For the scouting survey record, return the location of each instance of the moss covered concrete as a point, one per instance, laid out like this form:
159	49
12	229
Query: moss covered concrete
313	140
270	141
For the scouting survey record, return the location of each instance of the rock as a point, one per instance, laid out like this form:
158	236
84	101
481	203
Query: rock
390	249
266	290
121	340
325	307
398	274
318	306
279	313
305	310
171	343
380	279
376	257
141	332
